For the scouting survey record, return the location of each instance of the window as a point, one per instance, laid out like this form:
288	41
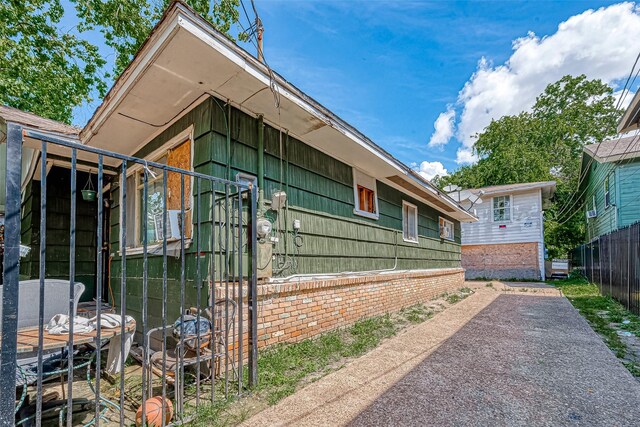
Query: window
446	229
607	199
155	203
365	194
502	208
409	222
176	153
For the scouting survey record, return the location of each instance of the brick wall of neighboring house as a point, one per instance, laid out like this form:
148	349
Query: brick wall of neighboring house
293	311
501	261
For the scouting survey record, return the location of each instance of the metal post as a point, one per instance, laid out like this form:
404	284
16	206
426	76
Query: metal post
253	293
123	278
11	275
240	294
72	280
629	268
43	252
99	240
610	269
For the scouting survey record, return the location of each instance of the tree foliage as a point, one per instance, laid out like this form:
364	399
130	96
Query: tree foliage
545	144
126	24
48	70
43	69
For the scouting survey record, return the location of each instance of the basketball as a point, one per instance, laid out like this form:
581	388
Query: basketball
153	412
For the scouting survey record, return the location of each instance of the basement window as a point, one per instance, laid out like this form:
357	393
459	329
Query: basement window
502	208
365	194
176	153
446	229
409	222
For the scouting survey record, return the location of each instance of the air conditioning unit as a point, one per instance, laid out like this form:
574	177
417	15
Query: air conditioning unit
592	213
175	224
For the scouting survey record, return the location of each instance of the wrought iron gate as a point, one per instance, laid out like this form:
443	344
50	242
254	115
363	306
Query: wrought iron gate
180	284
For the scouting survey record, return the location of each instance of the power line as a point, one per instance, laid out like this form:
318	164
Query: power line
610	167
575	198
625	90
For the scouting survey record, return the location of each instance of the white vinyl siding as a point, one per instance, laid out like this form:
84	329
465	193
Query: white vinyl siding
525	225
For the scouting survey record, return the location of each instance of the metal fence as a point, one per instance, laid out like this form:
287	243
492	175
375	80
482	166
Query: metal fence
612	261
191	338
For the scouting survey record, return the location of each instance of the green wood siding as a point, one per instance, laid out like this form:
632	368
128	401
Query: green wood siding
629	188
320	195
625	196
58	231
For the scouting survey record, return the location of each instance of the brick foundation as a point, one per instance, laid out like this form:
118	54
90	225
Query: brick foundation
501	261
293	311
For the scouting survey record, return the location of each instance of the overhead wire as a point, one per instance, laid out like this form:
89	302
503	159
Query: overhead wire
578	195
625	90
610	167
580	202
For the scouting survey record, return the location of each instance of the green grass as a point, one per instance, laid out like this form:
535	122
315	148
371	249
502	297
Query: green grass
601	312
281	368
416	313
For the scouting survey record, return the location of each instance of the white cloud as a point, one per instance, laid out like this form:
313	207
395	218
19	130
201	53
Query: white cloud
600	43
465	156
444	128
429	170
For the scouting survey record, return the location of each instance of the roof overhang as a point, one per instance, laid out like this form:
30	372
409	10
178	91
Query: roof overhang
186	60
631	118
548	188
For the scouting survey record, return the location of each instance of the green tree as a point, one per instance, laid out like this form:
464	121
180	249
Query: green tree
43	69
545	144
125	25
48	70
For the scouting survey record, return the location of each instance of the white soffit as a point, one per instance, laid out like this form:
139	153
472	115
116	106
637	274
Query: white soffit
182	61
191	63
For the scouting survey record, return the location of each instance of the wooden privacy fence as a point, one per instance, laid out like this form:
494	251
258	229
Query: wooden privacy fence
612	261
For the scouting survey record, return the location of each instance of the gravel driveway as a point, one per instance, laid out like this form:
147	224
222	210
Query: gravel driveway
525	361
495	359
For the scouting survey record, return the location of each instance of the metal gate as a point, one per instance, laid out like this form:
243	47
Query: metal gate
173	312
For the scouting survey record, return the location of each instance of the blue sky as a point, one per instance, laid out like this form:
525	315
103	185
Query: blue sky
392	68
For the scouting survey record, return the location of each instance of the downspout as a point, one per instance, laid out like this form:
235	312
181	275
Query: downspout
260	165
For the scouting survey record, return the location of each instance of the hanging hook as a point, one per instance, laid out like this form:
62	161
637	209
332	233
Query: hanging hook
146	168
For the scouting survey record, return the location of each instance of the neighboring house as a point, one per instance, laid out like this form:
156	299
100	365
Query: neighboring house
507	242
610	189
194	100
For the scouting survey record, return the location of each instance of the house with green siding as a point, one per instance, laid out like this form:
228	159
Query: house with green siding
336	203
610	190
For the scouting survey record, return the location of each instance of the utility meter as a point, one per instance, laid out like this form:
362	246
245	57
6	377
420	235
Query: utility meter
264	228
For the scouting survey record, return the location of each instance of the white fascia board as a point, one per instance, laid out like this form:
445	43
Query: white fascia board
466	215
246	63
